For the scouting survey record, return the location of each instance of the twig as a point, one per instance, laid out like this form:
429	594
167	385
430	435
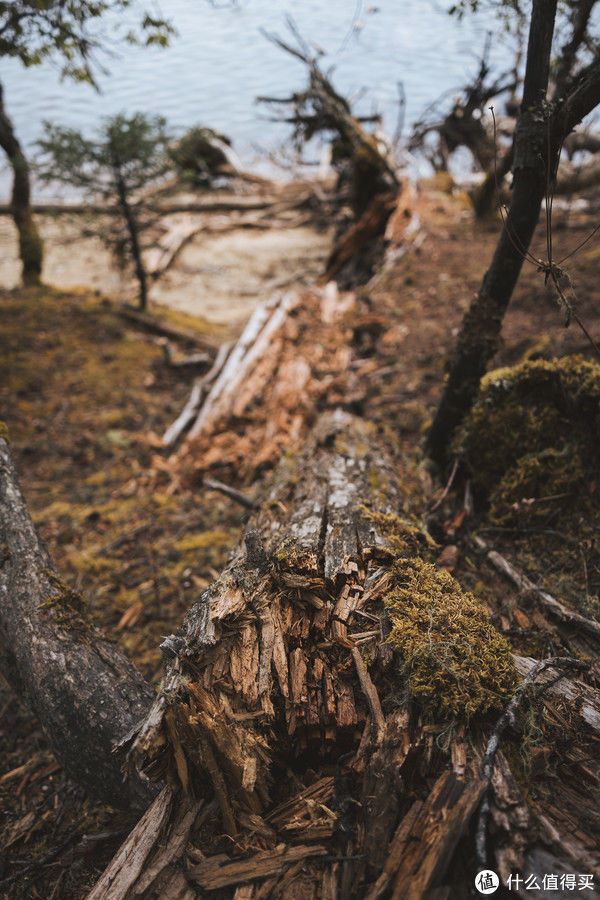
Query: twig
521	581
447	488
507	718
230	492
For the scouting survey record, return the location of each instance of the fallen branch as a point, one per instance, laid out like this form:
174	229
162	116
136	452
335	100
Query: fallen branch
553	606
184	362
508	718
149	323
230	492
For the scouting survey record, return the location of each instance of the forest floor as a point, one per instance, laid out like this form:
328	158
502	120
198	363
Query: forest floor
86	396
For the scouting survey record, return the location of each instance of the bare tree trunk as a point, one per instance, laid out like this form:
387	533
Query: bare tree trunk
86	694
478	339
133	229
30	243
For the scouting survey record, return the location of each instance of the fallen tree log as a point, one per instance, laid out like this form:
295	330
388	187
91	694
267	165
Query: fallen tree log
284	703
86	694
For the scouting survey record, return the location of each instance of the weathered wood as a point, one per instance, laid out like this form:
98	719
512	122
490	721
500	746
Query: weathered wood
272	706
198	393
211	876
434	833
262	327
86	694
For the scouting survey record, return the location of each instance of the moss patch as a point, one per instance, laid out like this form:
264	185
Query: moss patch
528	410
455	663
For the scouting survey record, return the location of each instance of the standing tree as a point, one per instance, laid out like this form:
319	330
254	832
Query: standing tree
32	32
128	154
542	127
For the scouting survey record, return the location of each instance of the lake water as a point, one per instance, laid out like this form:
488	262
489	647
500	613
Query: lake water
220	61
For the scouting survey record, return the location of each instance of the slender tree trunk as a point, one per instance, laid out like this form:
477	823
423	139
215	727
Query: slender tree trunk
132	227
478	339
86	694
30	242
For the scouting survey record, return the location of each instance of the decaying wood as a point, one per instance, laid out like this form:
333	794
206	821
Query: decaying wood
271	712
198	393
584	700
371	225
86	694
264	324
506	720
265	677
429	842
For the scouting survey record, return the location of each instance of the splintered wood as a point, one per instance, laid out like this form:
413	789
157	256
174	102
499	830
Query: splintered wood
292	360
295	766
271	704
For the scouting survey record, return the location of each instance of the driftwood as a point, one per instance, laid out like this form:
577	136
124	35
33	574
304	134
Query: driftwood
85	693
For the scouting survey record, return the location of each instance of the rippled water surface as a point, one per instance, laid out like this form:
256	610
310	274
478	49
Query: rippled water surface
220	62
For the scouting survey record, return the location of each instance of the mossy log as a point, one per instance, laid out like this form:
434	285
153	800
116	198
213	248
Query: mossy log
84	691
282	711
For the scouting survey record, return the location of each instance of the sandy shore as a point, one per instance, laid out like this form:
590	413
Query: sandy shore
220	273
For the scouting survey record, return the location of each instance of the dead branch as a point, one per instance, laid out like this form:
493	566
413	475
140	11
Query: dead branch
508	719
553	606
149	323
230	492
183	362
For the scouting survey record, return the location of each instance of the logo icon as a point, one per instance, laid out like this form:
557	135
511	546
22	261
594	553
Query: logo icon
487	882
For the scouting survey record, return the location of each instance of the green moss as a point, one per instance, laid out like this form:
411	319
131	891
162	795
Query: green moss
4	430
525	490
405	534
528	409
455	663
532	437
530	445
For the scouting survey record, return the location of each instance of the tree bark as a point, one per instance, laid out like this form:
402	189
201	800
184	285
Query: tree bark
271	725
30	242
86	694
133	229
533	170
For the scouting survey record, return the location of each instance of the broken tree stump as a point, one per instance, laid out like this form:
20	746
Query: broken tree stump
280	701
